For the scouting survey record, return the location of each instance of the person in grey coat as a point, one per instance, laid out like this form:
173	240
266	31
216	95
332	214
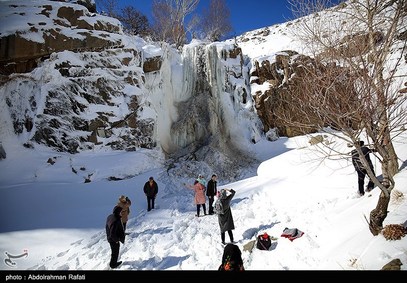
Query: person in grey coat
225	219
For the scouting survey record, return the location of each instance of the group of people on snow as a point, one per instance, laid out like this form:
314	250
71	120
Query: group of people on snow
225	196
116	228
231	258
117	221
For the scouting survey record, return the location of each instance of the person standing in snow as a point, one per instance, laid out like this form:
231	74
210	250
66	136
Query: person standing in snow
360	168
211	191
151	191
199	198
225	219
115	234
124	203
2	152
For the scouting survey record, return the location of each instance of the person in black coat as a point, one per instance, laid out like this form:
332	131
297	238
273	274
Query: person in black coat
151	191
115	234
225	220
360	168
211	191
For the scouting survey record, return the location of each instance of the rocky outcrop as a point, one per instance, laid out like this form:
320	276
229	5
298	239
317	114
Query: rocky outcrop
358	44
282	103
53	27
279	100
91	107
79	98
152	64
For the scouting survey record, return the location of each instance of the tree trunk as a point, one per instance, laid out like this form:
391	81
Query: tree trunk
393	166
378	214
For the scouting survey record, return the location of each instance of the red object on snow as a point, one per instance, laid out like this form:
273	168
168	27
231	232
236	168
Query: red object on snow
292	234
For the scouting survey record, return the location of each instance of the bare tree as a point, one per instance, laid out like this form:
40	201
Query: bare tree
193	25
108	7
134	21
216	20
162	25
352	82
169	19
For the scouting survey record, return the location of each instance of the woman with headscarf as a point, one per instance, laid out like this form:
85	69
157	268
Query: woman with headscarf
199	198
124	203
225	219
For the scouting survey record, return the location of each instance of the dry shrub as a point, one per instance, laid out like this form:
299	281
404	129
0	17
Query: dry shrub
394	264
394	231
396	196
316	139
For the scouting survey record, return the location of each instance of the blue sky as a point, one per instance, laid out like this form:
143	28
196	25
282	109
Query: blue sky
245	15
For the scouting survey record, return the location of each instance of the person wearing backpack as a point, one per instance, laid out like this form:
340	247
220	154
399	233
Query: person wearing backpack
211	191
225	218
231	259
